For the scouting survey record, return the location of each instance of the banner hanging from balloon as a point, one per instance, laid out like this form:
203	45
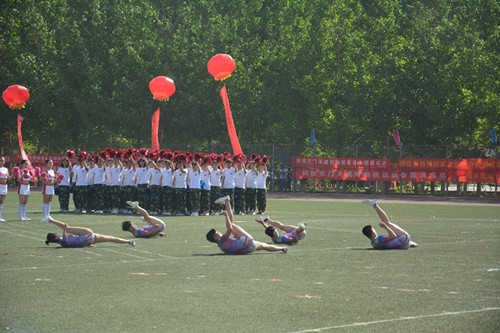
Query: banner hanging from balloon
24	156
220	66
230	124
155	123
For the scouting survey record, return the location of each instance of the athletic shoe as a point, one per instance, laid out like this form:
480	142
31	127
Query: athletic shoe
45	220
222	201
132	242
413	244
98	212
2	220
133	204
303	226
142	218
206	214
83	211
114	211
195	214
263	218
77	211
253	213
285	249
27	219
61	211
370	203
22	219
180	214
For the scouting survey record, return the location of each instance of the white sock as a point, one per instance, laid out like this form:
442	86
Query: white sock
44	209
1	210
25	208
49	205
21	211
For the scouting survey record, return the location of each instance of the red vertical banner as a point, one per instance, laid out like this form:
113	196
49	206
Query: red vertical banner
24	156
155	123
395	134
230	124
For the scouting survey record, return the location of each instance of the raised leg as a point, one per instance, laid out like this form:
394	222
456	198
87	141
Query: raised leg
385	219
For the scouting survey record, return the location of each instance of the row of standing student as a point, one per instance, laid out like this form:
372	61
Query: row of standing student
165	187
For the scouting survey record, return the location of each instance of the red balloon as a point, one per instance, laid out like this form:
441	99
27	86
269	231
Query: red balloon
162	87
221	66
16	96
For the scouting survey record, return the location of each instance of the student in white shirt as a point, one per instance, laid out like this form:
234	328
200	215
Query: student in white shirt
180	187
215	185
154	188
167	191
228	180
239	186
193	180
206	170
251	188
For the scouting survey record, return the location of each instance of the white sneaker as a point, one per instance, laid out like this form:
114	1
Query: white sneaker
222	201
45	220
27	219
263	218
195	214
132	242
2	220
168	214
77	211
180	214
83	211
285	249
133	204
98	212
303	226
370	203
114	211
22	219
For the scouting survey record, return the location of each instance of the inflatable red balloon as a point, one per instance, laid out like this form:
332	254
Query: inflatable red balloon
162	88
221	66
16	96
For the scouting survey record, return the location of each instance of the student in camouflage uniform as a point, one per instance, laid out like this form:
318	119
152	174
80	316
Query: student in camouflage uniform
65	186
114	171
154	188
167	192
215	185
98	182
205	186
239	185
251	188
193	180
128	182
142	183
81	188
180	187
261	189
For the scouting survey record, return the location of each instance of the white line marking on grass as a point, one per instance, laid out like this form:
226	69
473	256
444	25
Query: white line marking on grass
126	254
20	235
455	313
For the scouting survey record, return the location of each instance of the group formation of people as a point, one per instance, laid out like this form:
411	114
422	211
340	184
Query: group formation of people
235	240
241	242
163	182
174	167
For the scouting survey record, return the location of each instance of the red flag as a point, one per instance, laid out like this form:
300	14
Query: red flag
24	156
395	134
155	122
230	124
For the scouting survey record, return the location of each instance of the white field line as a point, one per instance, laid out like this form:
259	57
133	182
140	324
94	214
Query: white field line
444	314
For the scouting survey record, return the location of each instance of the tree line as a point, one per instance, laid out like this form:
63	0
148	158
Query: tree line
354	70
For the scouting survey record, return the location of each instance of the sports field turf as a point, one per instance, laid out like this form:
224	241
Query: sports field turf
330	282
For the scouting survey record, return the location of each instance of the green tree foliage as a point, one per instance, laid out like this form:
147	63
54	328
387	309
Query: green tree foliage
353	70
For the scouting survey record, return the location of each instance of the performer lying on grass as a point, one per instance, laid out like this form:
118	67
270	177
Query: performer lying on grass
293	234
154	228
243	243
80	236
397	238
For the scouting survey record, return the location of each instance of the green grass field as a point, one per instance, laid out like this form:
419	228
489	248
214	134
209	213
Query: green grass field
330	282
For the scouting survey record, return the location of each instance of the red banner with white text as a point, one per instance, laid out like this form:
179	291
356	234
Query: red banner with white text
406	169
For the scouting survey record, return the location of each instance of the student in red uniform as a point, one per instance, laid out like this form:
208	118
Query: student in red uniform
243	242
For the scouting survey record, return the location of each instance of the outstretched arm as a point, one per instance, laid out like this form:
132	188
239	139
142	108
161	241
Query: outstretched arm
261	223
